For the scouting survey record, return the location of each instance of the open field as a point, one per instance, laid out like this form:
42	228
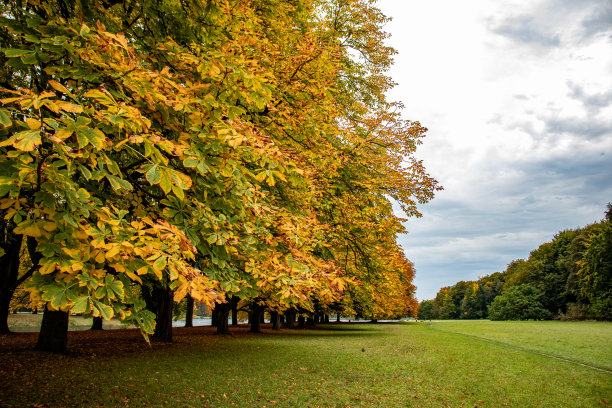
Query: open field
350	365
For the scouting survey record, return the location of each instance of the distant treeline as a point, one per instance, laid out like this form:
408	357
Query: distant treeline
568	278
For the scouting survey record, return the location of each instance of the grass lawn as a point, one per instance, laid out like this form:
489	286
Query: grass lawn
446	364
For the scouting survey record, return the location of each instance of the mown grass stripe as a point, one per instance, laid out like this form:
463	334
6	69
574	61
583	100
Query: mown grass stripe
521	348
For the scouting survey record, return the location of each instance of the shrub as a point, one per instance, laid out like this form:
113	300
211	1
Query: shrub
522	302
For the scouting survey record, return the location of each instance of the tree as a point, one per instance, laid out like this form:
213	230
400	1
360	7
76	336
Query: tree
596	274
427	310
154	149
521	302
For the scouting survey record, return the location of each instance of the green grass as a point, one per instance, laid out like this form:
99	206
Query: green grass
585	342
401	365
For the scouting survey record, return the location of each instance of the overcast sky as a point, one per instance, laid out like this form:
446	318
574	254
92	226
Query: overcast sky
517	97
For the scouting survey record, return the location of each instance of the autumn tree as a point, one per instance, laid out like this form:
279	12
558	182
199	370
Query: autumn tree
232	151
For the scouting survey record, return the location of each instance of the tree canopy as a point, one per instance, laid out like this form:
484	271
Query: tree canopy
213	148
571	274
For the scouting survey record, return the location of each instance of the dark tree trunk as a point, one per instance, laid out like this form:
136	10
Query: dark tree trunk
262	317
282	319
338	317
255	318
97	323
214	316
5	301
290	318
374	321
301	322
235	312
53	334
9	271
310	320
163	314
189	314
325	318
223	311
275	319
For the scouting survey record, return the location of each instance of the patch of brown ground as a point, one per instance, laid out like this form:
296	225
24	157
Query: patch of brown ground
120	341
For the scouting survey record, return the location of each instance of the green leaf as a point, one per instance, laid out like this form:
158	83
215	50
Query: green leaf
87	280
83	304
118	184
144	319
5	118
112	289
84	30
15	53
189	162
58	294
85	172
160	263
93	136
165	182
101	309
153	175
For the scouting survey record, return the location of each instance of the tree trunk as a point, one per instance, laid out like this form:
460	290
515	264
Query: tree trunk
310	320
53	334
290	318
275	319
338	317
5	301
163	314
374	321
189	314
97	323
9	271
235	312
325	318
223	310
214	316
256	313
301	322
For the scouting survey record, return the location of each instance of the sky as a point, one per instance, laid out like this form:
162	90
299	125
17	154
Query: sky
517	97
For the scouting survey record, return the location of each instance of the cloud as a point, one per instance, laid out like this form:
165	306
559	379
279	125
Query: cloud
599	21
511	209
518	102
526	30
593	102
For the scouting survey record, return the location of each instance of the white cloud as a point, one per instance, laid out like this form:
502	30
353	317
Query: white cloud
517	97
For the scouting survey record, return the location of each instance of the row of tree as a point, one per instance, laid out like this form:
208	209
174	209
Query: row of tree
568	278
225	150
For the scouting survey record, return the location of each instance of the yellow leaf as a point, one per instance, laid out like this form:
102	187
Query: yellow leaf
47	268
181	292
29	228
99	258
69	107
33	124
63	134
133	276
113	251
27	140
59	87
143	270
